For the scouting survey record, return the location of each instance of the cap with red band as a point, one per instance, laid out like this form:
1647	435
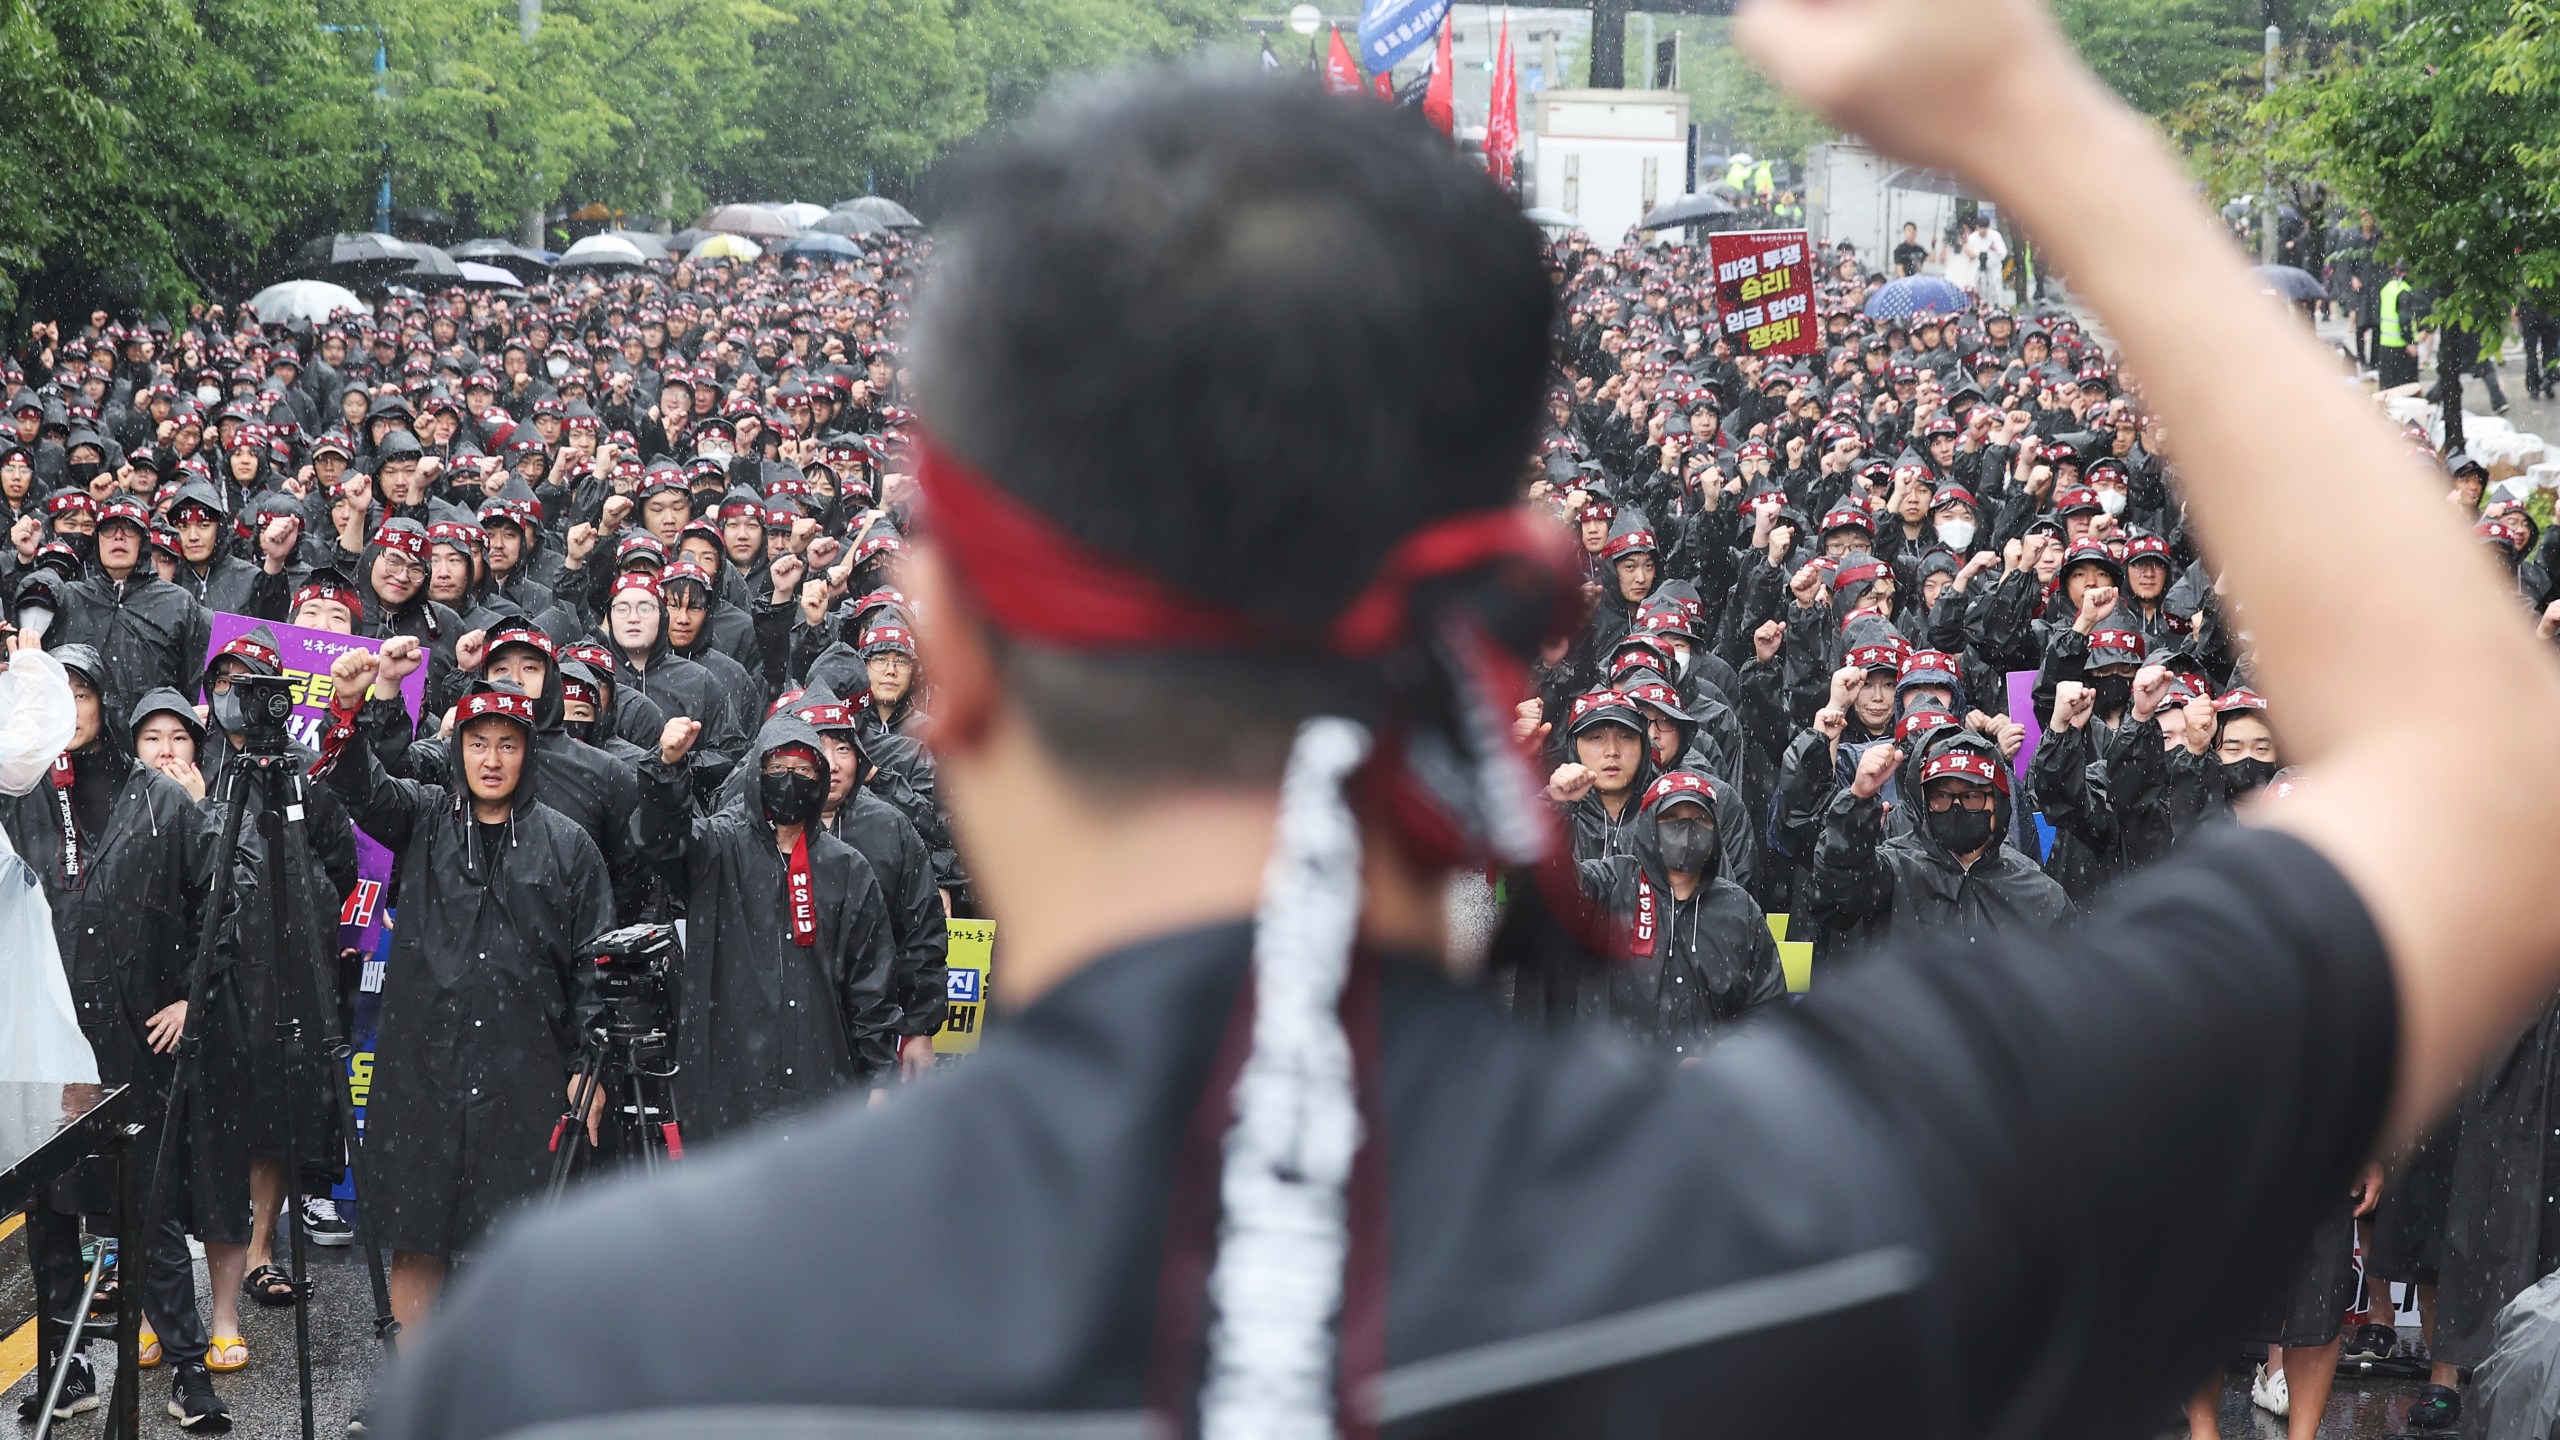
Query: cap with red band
1679	783
406	537
330	590
501	704
1966	764
644	581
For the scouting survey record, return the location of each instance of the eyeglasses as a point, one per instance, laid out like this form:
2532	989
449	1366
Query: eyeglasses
394	562
634	610
1974	798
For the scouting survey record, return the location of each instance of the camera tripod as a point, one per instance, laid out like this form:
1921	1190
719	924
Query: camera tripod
263	776
631	1066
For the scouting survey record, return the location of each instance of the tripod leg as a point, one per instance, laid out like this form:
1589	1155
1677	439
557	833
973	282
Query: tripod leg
571	1132
271	827
182	1077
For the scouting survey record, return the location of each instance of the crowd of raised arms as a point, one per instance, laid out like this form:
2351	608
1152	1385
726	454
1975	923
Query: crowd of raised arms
1906	635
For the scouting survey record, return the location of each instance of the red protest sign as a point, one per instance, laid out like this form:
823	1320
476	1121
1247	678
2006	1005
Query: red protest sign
1764	291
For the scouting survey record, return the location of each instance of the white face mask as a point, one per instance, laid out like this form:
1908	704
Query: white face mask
2111	501
558	365
208	395
714	452
1956	533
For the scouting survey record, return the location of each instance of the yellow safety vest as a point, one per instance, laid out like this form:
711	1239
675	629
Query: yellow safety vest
1764	181
1738	176
2391	294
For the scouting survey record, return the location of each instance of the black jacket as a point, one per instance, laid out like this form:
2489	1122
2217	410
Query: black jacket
1871	887
150	633
767	1025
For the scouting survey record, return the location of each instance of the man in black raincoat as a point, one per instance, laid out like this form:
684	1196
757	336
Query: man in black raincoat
645	664
1954	875
788	961
487	979
149	632
218	579
125	858
1699	952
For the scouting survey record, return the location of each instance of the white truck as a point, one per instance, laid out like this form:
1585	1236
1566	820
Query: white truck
1854	194
1608	156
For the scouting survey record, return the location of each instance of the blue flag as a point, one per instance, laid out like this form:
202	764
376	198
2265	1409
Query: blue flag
1392	29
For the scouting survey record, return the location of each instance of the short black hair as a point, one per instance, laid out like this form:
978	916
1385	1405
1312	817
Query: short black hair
1243	334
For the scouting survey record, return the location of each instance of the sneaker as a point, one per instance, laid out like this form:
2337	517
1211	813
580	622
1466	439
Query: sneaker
79	1394
323	1225
2372	1342
2268	1393
193	1404
2439	1407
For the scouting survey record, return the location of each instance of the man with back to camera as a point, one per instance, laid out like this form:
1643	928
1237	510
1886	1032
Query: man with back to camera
1130	608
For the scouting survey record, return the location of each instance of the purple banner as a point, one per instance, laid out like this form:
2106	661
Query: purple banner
364	924
2022	708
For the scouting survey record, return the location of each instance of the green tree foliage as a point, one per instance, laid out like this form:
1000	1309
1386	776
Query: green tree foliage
166	149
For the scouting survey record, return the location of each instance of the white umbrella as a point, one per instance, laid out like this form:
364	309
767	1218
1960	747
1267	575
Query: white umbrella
887	212
801	213
491	276
311	300
603	252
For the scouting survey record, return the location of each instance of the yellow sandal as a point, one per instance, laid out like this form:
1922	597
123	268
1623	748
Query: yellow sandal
225	1353
147	1352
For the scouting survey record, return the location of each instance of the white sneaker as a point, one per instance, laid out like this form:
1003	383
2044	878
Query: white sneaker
2268	1393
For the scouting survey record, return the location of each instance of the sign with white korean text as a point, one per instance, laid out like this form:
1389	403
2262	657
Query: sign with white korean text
1764	291
972	954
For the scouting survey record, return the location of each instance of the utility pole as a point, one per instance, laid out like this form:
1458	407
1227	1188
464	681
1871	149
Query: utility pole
529	20
381	97
2266	159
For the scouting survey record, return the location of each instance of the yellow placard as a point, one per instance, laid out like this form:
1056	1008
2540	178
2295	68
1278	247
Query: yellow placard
972	956
1794	956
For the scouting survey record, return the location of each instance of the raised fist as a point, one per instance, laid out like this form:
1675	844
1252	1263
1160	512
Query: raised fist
787	572
617	513
471	650
401	657
1766	640
2072	703
1874	768
1570	782
676	741
581	543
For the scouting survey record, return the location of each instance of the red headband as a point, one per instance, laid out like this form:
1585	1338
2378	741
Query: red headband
1038	583
412	543
1967	765
323	590
249	648
500	703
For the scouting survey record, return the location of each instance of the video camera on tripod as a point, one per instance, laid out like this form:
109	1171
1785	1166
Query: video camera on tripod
257	711
626	1054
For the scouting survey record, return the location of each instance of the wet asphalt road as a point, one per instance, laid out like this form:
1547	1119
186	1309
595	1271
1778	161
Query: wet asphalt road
264	1398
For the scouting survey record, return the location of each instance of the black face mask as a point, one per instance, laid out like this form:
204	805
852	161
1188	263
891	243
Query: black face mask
582	731
1960	830
1689	848
2241	777
791	798
2115	692
81	472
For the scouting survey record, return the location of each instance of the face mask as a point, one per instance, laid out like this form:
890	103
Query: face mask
582	731
2111	501
2241	777
1956	533
207	395
719	453
1679	663
1960	830
1689	848
2114	692
790	798
557	365
82	472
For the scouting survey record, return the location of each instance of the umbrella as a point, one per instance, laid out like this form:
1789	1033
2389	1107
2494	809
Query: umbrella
500	252
684	240
725	247
800	214
887	212
603	252
848	222
650	246
488	277
1550	217
2292	283
1686	210
1921	180
1726	190
311	300
756	222
370	253
432	264
1917	295
820	245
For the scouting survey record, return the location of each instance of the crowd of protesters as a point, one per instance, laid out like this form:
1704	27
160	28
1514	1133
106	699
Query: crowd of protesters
1909	637
641	535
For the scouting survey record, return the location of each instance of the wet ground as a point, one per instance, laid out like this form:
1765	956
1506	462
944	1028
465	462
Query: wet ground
264	1398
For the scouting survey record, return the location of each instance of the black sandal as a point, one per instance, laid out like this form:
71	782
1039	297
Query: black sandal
268	1286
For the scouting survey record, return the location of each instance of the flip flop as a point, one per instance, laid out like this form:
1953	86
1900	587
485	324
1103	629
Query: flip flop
147	1352
225	1353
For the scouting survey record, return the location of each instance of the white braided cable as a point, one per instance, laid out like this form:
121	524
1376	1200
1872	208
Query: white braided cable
1276	1285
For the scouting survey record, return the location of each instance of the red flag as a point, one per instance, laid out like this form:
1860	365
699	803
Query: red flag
1384	85
1439	102
1341	77
1502	122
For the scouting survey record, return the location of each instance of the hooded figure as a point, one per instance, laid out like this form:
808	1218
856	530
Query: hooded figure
645	663
124	857
1870	886
221	580
788	962
488	977
401	545
1692	962
148	632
